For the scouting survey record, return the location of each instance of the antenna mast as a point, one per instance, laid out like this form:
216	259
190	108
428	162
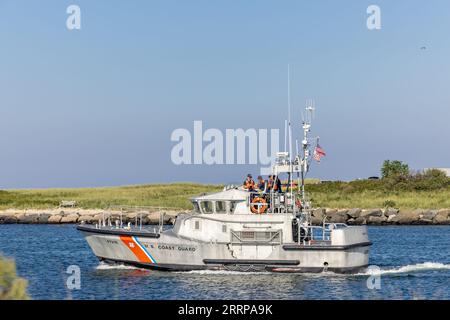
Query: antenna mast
291	173
289	114
305	143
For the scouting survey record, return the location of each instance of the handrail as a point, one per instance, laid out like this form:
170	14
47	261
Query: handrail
227	221
143	207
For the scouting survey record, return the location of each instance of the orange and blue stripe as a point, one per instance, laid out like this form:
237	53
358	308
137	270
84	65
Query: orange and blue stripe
139	250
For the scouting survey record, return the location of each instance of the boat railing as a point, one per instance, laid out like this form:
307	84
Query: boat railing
313	235
278	202
118	212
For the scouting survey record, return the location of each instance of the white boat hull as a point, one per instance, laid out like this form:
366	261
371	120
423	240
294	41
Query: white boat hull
168	251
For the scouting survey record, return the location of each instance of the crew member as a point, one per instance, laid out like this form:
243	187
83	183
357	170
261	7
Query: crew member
277	184
270	183
262	186
249	184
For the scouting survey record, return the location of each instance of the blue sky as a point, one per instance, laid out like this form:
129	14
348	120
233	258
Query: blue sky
96	107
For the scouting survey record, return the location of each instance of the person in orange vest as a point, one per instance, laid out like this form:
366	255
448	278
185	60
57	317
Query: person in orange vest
249	184
277	184
262	186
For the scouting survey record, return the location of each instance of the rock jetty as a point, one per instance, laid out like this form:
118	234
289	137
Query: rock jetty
89	216
352	216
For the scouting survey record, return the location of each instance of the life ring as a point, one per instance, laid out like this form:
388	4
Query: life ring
259	205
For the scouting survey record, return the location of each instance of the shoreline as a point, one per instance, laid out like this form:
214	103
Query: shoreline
352	216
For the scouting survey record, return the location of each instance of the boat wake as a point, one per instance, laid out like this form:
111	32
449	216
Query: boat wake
106	266
419	267
371	271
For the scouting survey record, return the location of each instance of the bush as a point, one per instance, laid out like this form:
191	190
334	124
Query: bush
389	204
11	286
431	179
394	169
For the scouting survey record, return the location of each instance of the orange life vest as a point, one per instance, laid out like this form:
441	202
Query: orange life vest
249	185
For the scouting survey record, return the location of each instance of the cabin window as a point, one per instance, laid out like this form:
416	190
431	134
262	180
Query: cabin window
224	228
197	225
207	206
220	207
232	206
196	206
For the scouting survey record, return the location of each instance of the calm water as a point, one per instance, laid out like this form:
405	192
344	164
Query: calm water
415	264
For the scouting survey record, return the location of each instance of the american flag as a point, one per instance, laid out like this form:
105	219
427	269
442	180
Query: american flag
318	153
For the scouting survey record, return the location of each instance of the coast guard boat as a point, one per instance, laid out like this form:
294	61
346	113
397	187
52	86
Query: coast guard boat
241	230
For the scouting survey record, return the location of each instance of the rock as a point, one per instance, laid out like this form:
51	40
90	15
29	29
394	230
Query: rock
28	218
428	216
71	218
151	218
169	216
98	217
87	219
317	219
390	212
360	221
442	217
317	216
319	213
171	220
335	216
55	218
132	215
371	213
8	219
354	213
43	218
392	218
407	217
376	220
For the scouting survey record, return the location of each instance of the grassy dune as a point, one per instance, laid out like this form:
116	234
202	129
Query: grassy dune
355	194
167	195
377	194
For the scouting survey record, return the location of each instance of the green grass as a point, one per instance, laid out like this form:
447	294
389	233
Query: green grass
375	194
161	195
355	194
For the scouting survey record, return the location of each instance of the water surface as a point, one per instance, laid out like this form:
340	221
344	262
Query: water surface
414	263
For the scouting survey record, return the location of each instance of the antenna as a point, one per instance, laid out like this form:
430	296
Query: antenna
290	136
285	135
289	113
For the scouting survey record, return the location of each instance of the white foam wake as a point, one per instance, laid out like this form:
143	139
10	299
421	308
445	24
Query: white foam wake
426	266
419	267
106	266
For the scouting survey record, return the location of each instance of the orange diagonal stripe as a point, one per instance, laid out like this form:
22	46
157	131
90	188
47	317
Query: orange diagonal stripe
134	247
